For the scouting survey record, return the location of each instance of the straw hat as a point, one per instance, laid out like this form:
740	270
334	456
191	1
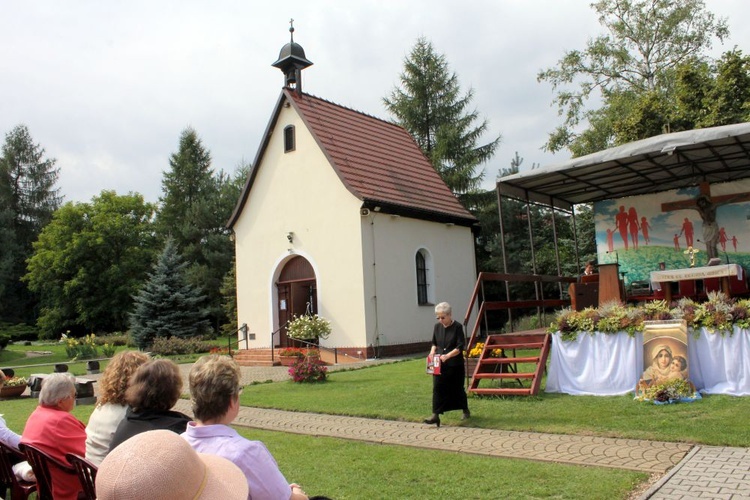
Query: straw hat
161	465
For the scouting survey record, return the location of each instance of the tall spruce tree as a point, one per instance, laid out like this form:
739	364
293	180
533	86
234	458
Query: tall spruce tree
430	105
28	198
196	202
168	305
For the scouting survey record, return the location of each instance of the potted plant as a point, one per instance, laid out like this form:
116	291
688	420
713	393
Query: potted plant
289	355
13	387
310	327
474	354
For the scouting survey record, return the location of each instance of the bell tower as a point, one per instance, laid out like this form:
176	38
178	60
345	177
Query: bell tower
292	61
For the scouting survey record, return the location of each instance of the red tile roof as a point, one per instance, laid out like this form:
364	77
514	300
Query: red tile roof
378	161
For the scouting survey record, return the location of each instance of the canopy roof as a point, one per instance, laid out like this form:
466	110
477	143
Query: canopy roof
661	163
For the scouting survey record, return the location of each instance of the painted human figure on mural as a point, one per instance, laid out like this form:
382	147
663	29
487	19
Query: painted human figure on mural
734	242
645	226
676	240
621	223
611	240
723	239
687	230
659	370
633	227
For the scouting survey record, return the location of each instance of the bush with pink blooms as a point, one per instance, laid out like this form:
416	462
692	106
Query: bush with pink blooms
308	369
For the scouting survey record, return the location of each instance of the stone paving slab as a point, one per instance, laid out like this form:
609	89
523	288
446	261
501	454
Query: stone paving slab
637	455
706	472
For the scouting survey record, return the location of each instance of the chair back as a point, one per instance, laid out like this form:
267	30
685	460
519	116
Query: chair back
9	456
86	474
40	463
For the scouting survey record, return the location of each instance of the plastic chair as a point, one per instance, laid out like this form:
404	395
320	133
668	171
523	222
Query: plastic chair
9	456
40	463
86	475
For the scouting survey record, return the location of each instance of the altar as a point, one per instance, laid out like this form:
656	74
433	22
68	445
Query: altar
722	272
604	364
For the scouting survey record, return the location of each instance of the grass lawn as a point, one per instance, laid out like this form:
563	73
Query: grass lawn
402	391
343	469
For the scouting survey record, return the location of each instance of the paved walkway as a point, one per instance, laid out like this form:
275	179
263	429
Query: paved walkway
688	471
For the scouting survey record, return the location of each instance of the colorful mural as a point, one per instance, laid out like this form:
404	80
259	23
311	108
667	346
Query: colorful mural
641	232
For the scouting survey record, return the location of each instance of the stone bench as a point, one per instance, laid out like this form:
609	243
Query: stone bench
84	388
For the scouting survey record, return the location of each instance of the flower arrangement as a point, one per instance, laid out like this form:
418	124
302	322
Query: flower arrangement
718	313
16	381
476	351
292	352
308	327
222	351
308	369
670	392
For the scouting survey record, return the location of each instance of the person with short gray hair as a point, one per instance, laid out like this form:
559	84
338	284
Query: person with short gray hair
52	429
448	387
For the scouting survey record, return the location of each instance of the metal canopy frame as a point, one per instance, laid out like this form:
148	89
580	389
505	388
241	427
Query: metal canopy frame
661	163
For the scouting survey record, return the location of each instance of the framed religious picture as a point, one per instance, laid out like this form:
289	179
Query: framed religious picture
665	353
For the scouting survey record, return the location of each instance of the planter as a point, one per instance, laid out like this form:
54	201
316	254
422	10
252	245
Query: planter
12	392
288	360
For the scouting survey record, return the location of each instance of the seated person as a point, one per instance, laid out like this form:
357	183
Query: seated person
160	465
7	436
111	406
52	429
215	389
153	390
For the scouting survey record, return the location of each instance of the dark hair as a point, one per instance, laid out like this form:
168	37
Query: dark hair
155	385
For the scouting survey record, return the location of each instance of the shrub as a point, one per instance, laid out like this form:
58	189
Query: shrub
308	369
19	332
4	340
84	348
164	346
108	350
113	339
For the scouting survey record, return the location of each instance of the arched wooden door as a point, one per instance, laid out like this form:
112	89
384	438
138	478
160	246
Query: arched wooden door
297	294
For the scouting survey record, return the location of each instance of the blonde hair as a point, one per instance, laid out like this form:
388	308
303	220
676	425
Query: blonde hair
214	381
114	381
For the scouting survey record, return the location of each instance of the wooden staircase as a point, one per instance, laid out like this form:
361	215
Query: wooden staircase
256	357
487	366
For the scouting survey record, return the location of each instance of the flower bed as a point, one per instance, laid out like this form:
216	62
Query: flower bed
718	313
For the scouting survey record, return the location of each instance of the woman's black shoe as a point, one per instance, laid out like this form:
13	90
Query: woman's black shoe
435	419
467	414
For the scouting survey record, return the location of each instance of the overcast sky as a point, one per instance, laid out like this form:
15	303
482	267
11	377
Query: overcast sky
107	87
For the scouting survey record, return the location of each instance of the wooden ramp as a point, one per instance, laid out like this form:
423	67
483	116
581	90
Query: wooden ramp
490	367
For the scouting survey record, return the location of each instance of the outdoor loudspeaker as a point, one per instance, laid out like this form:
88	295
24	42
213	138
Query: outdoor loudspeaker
364	212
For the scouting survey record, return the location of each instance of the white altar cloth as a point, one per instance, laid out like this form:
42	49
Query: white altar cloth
694	273
610	364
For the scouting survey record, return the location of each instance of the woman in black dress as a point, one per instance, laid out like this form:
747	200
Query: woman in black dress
448	387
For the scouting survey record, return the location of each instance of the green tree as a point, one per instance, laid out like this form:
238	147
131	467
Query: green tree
28	198
429	104
89	261
168	305
196	203
646	41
